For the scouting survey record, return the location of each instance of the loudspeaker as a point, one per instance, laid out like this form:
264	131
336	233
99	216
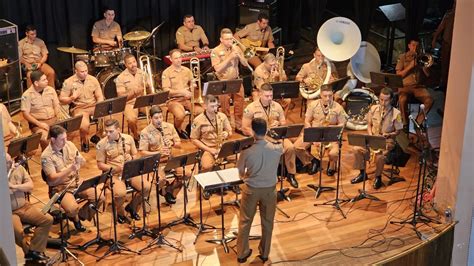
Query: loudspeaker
249	10
10	74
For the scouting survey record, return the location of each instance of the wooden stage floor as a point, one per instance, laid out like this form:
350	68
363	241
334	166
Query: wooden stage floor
312	235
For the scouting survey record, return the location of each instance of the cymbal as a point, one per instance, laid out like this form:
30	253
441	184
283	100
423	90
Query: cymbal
72	50
136	35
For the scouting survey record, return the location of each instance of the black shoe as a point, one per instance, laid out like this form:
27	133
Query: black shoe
79	227
378	182
133	213
183	134
85	147
36	256
206	194
236	189
170	199
359	178
291	178
330	172
313	169
244	259
122	219
263	259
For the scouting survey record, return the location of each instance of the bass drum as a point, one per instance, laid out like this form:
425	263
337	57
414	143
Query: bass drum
106	78
358	103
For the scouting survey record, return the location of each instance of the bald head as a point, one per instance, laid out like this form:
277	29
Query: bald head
81	69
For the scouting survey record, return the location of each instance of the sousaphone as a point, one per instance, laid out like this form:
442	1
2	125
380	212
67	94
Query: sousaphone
339	39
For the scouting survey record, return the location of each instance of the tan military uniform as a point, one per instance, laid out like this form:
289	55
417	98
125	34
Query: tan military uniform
191	38
218	55
272	116
335	116
310	71
32	53
24	212
258	168
57	161
90	93
116	153
41	106
101	30
254	33
206	130
262	75
389	123
6	120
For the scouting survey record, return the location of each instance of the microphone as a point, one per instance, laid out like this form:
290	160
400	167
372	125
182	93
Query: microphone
423	109
414	122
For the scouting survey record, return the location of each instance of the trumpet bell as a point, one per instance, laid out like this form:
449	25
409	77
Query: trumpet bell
339	38
365	60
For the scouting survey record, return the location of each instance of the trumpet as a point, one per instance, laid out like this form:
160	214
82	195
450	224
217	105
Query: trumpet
195	67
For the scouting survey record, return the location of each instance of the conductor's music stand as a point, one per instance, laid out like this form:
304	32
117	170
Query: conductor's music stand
71	124
220	87
368	142
285	89
23	146
151	99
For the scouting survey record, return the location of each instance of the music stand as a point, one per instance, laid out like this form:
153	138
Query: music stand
392	81
286	89
151	99
182	161
220	179
22	146
71	124
368	142
108	108
220	87
337	85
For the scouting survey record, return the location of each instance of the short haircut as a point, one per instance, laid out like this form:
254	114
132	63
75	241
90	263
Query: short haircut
56	130
266	87
112	122
326	88
225	31
387	91
128	56
174	51
187	16
36	75
262	15
80	64
107	8
316	48
269	57
259	126
30	28
210	99
155	110
414	39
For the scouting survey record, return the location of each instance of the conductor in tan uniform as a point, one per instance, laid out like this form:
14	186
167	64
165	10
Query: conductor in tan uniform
258	168
191	37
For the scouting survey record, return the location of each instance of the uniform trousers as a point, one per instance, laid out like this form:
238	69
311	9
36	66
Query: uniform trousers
238	99
361	153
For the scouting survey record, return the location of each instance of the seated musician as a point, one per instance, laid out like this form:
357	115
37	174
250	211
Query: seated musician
382	120
320	113
19	183
413	76
132	82
161	137
82	92
209	130
273	114
258	34
60	164
40	106
112	152
33	56
190	36
106	33
9	129
266	73
179	81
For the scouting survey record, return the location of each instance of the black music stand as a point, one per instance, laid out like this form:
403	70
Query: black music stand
220	179
321	135
392	81
220	87
182	161
336	85
140	167
71	124
23	146
368	142
94	182
108	108
151	99
285	89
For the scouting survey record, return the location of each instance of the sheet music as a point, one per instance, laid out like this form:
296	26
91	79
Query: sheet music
218	178
204	90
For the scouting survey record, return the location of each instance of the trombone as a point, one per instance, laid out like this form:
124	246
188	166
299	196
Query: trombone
195	67
145	66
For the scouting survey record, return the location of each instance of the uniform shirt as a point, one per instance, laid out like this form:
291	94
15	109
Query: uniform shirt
254	33
258	164
261	75
272	114
334	116
390	122
231	71
6	120
87	90
126	82
101	30
192	37
32	52
116	152
18	176
151	139
56	161
40	105
176	79
205	130
413	76
311	70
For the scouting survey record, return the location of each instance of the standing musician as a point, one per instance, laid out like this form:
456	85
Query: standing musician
258	168
273	114
40	106
321	112
382	120
209	130
161	137
189	35
9	129
19	183
225	59
82	92
413	76
112	153
179	81
60	164
33	56
106	33
132	82
259	33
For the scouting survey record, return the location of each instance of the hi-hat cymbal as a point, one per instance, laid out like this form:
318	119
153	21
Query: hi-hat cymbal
72	50
136	35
